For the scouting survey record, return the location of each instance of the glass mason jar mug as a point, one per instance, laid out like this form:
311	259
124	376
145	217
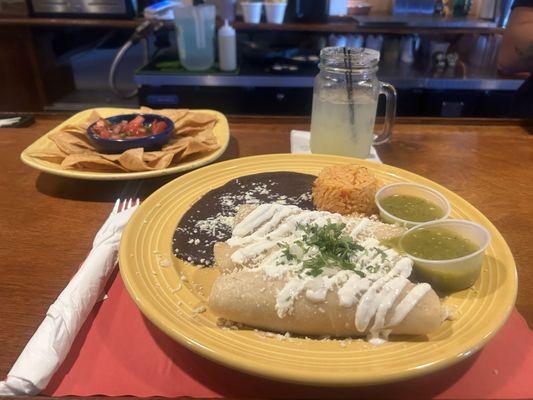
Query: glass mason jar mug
345	99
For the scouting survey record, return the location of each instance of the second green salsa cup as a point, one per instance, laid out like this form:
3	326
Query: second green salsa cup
457	273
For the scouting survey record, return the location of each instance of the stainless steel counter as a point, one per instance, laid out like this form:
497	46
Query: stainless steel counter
285	81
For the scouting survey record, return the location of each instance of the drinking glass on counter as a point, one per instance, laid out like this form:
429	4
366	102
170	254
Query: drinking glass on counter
345	99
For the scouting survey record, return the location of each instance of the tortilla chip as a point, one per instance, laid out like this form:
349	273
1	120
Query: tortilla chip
160	162
72	143
55	156
130	160
90	162
173	114
193	130
195	120
71	149
73	129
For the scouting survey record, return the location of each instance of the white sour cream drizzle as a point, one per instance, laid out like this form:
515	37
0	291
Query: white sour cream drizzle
259	233
408	302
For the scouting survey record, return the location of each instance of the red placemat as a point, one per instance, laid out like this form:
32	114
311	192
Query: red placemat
119	352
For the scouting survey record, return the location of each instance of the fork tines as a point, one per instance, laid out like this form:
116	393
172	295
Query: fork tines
123	205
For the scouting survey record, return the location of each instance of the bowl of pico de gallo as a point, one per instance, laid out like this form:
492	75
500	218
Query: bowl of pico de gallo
128	131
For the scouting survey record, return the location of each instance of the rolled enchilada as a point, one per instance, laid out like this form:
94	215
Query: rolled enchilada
319	273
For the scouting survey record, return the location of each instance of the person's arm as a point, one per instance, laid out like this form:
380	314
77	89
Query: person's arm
516	51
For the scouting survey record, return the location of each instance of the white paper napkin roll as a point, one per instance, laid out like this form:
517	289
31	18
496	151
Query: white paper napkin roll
50	344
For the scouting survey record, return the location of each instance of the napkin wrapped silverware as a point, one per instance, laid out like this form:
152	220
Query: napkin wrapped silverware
50	344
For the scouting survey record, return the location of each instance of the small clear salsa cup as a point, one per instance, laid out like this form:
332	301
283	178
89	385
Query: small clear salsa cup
454	274
410	189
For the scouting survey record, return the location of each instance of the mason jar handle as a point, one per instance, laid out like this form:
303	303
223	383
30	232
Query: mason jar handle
390	112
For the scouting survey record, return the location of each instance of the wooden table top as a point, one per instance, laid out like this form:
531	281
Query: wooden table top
48	222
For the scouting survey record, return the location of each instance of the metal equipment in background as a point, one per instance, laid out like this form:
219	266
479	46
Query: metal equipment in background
13	8
155	16
83	8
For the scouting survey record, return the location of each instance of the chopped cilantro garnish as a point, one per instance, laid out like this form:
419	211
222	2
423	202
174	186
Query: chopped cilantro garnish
286	251
381	253
334	248
328	246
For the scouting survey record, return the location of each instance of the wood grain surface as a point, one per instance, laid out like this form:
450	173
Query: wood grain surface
48	222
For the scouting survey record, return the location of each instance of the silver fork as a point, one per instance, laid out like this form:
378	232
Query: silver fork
115	223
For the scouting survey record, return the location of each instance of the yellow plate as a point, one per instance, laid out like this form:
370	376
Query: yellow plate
173	304
221	131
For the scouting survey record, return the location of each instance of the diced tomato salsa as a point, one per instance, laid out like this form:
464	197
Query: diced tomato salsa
134	129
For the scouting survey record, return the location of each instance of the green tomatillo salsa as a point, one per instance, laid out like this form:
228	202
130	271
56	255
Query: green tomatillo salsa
437	244
411	208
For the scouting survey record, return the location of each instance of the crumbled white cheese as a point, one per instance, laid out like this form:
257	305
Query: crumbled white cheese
176	289
199	310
